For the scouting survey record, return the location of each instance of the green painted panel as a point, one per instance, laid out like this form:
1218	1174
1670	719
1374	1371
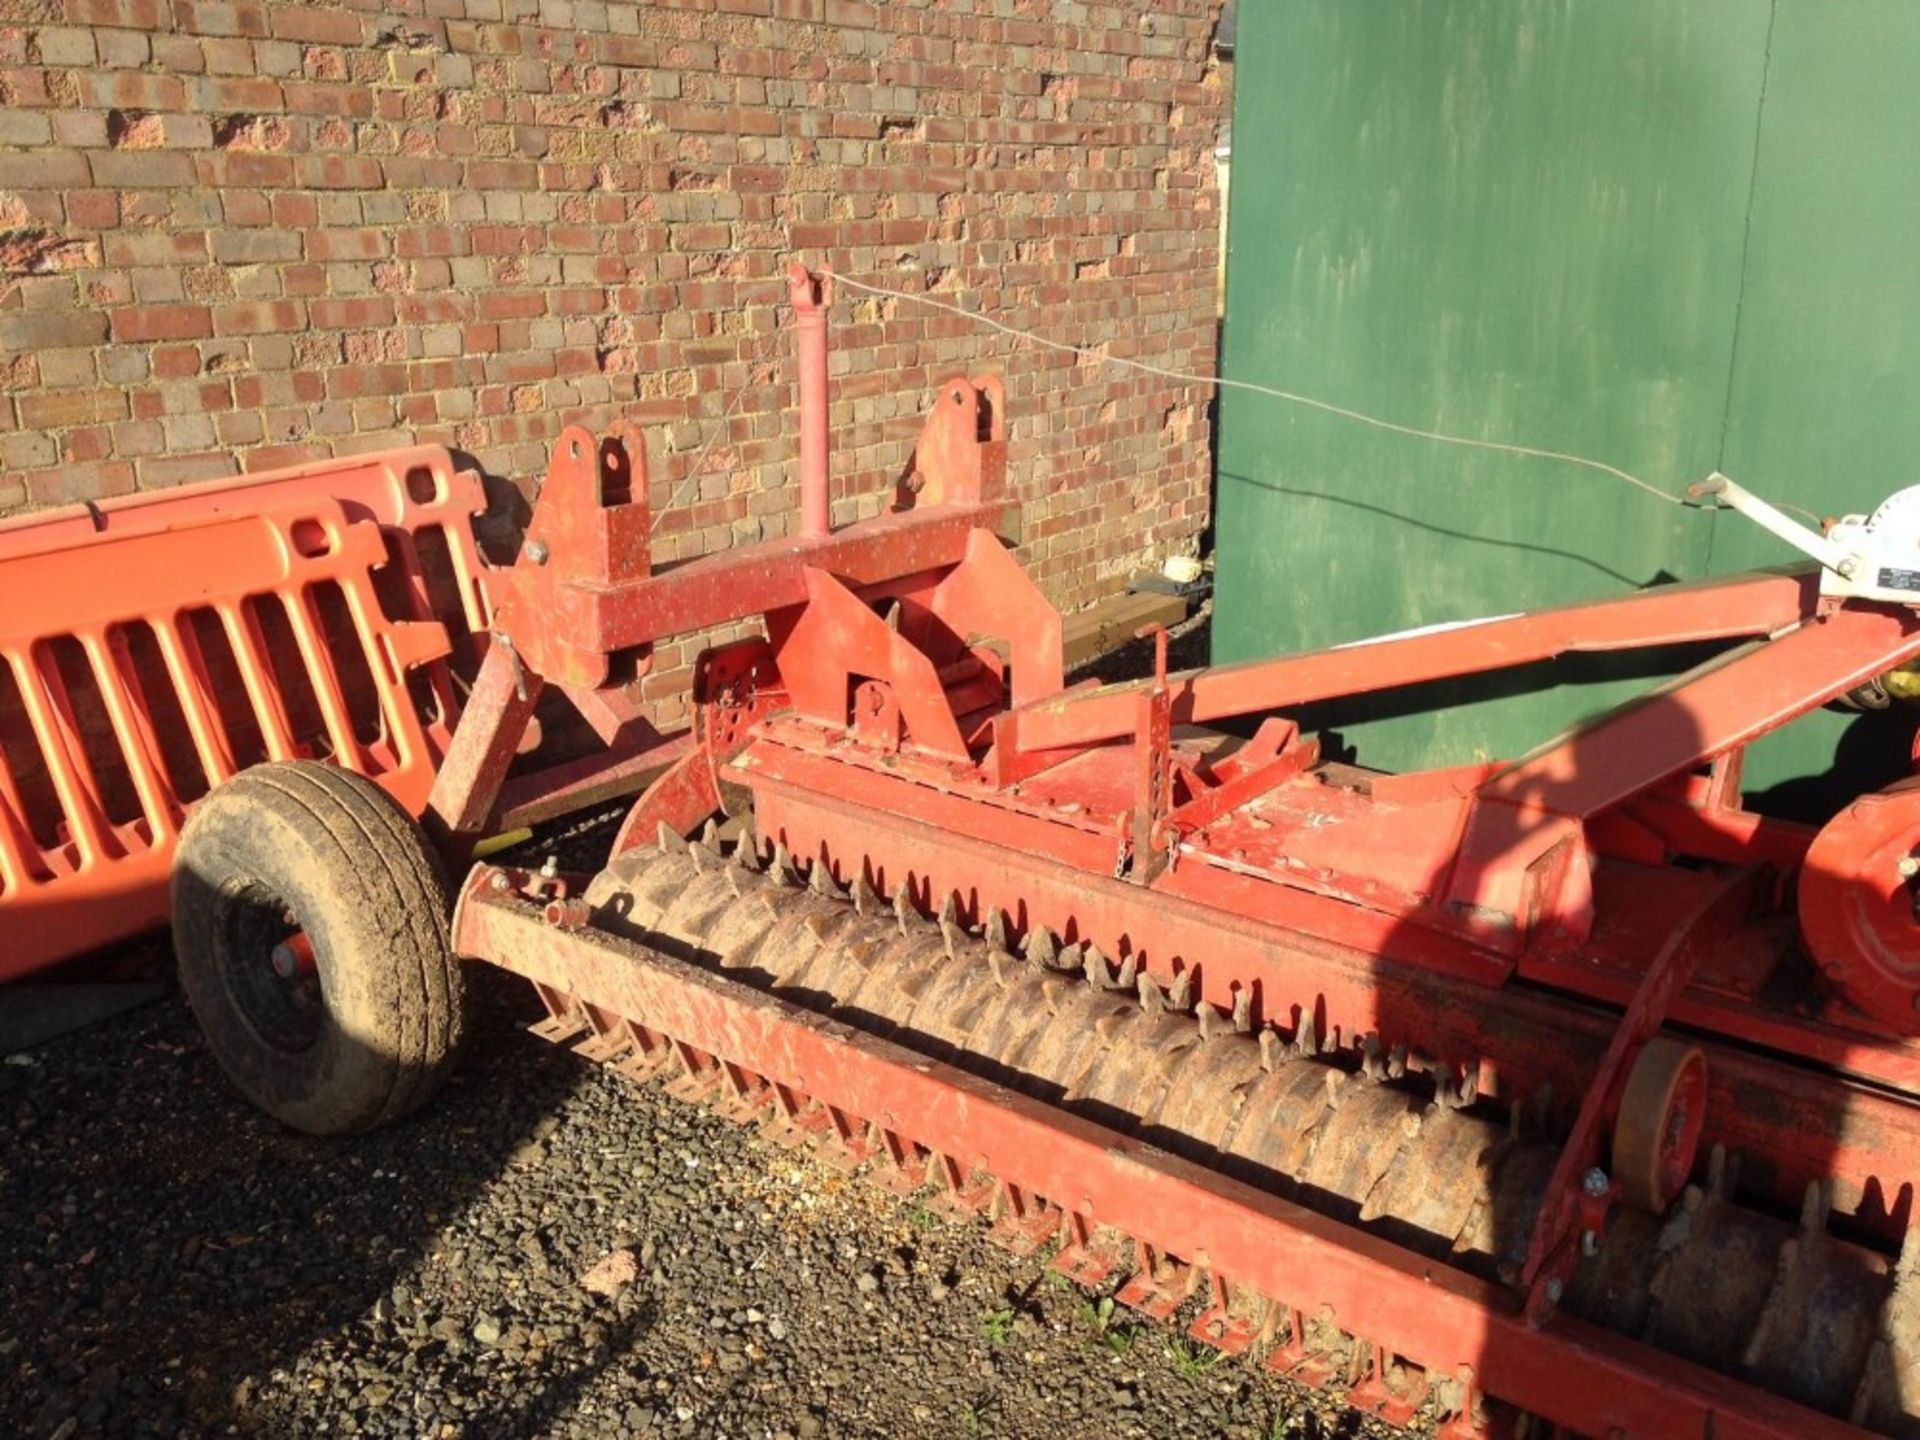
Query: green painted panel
1826	370
1510	219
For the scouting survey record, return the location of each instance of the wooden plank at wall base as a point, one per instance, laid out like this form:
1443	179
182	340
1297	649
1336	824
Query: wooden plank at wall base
1111	623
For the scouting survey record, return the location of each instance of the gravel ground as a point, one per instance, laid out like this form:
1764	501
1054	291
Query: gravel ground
177	1265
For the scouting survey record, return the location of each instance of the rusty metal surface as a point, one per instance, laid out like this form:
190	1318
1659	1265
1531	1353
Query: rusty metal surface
1299	1124
1857	898
1338	1057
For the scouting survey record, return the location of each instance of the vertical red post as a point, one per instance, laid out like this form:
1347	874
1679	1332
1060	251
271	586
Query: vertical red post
810	314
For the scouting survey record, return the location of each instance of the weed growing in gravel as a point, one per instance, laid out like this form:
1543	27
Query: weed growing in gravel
921	1218
1192	1360
1098	1316
997	1325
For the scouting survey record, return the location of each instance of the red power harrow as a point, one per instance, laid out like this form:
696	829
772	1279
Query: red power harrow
1562	1086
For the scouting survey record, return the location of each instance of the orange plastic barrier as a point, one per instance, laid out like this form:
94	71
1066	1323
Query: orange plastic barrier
152	646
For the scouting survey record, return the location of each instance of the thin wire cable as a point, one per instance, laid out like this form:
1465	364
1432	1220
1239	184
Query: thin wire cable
694	471
1530	452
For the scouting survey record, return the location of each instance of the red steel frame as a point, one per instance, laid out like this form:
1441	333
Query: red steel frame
1446	1322
907	714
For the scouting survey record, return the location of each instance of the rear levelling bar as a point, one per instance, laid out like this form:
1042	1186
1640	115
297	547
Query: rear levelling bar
1450	1323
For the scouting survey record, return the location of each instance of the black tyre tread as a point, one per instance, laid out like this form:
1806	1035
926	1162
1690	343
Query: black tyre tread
388	893
432	1015
374	817
355	815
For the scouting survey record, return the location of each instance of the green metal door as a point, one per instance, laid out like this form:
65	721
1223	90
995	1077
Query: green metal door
1675	235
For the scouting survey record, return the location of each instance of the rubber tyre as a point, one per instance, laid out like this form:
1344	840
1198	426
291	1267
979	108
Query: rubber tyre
305	845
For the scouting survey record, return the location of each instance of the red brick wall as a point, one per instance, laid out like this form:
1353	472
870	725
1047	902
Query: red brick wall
237	234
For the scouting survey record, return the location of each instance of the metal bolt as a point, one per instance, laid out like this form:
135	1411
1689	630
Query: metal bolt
1555	1290
285	962
550	867
500	881
1847	569
1595	1183
537	551
1909	866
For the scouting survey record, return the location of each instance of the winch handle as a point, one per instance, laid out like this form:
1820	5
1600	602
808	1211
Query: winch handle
1734	496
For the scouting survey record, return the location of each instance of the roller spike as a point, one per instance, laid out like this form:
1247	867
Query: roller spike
782	865
820	881
1373	1058
1129	973
1109	1024
996	930
746	850
1043	946
668	840
735	883
998	961
1909	1258
1815	1205
951	934
1054	992
1397	1060
903	911
1787	1262
1273	1050
1209	1022
1180	993
950	908
710	833
1306	1040
700	857
1070	959
865	900
1243	1010
1152	998
1093	965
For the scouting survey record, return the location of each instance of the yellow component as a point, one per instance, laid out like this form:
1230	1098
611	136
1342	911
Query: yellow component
1902	684
505	840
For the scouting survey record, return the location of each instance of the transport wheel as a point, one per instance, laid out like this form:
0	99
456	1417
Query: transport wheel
310	919
1657	1132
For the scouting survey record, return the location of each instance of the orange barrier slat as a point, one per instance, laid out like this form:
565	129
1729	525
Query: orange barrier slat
72	874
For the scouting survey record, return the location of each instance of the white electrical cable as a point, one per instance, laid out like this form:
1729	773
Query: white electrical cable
1530	452
1439	437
